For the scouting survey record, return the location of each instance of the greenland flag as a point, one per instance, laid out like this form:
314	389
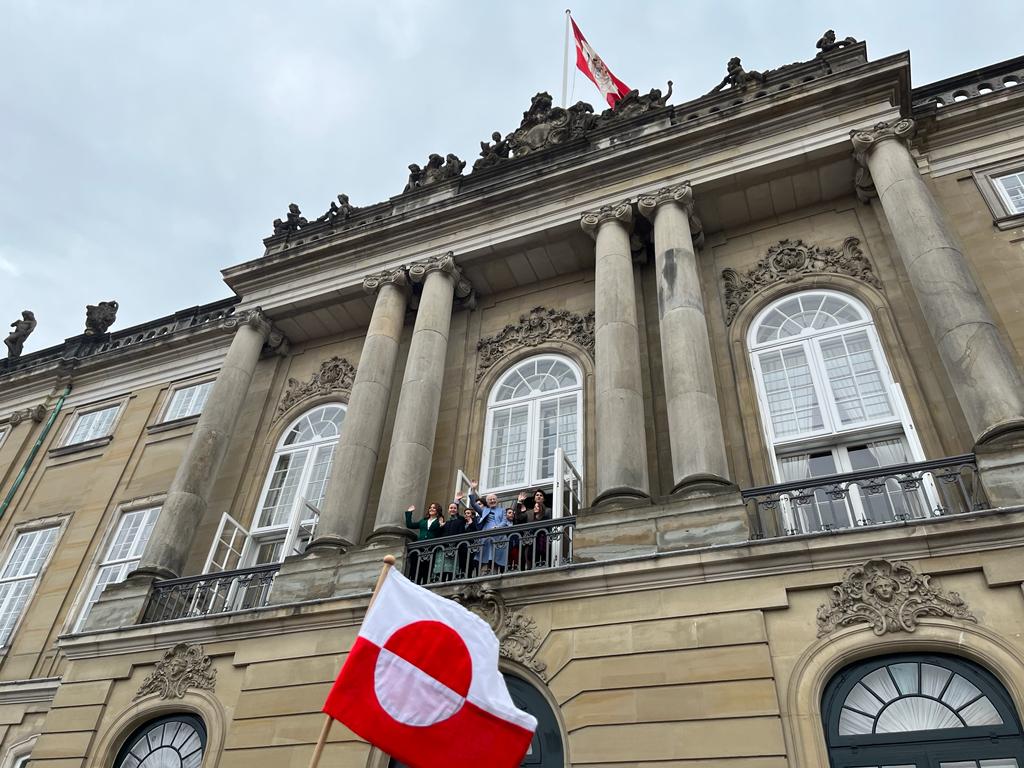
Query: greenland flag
422	683
593	66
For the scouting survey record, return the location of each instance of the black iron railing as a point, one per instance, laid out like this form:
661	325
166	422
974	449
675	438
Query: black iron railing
211	593
526	547
892	494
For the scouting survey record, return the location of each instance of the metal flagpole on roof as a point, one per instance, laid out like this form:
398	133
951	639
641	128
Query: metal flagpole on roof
565	61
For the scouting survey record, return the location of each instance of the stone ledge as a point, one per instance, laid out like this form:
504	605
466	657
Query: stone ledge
167	426
65	450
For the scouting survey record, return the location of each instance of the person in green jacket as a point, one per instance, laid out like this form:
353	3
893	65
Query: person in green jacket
430	526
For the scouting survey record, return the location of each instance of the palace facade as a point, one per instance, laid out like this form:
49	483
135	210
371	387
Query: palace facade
759	351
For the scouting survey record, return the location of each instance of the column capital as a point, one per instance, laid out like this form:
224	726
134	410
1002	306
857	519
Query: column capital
257	319
679	194
591	221
867	139
399	277
446	264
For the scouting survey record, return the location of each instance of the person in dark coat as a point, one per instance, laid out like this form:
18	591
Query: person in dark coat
430	526
466	562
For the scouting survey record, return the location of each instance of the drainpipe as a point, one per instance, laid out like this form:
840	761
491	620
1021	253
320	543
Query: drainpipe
35	449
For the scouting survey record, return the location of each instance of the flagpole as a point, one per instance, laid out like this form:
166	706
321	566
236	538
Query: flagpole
565	60
318	750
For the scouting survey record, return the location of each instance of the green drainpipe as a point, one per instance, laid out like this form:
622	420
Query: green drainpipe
32	454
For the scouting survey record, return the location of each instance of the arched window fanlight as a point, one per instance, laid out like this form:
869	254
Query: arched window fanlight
178	741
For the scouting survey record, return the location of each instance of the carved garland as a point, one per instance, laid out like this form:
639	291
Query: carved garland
334	376
517	634
790	260
184	666
540	325
890	596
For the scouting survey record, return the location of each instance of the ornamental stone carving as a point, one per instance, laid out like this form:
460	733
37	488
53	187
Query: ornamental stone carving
790	260
21	330
737	78
829	43
544	125
633	103
534	328
338	211
419	270
183	667
293	221
436	170
517	634
591	221
257	319
890	596
36	413
864	141
681	195
373	283
335	376
99	317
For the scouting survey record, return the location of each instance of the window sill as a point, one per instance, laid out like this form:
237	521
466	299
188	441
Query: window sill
1009	222
167	426
64	450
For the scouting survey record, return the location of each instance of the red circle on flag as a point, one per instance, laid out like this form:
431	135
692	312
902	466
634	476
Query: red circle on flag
423	673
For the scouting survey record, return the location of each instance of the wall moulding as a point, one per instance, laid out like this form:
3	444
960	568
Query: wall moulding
534	328
517	634
789	261
335	376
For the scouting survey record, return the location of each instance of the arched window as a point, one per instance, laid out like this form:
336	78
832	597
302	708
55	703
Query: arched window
534	408
920	711
829	405
296	484
178	741
546	750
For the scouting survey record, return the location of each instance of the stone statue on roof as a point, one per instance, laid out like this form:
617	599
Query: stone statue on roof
99	317
828	42
634	104
23	328
340	210
544	125
294	221
737	77
492	154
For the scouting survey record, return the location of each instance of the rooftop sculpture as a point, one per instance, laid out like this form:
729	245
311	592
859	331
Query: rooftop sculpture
436	170
293	223
828	42
340	210
99	317
23	328
737	77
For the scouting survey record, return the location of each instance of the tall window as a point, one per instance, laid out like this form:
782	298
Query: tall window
829	405
920	711
28	555
295	487
535	408
188	401
92	425
122	555
178	741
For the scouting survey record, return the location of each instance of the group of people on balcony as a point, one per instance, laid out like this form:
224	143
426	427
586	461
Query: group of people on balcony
479	556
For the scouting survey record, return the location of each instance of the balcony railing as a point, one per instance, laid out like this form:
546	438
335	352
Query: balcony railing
210	593
518	548
892	494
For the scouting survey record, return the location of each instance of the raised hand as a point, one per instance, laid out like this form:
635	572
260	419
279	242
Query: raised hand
522	495
412	508
472	485
459	496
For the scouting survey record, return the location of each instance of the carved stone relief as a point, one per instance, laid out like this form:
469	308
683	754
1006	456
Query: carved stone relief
37	413
788	261
539	325
890	596
183	667
334	376
866	140
517	634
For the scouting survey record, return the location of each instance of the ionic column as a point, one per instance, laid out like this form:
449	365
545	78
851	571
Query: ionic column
171	541
412	441
355	458
988	385
696	436
621	432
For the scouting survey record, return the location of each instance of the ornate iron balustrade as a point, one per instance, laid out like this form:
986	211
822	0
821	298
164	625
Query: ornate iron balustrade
525	547
892	494
210	593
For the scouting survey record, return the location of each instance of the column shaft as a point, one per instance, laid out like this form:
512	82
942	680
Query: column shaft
621	427
171	541
696	436
987	383
412	441
355	458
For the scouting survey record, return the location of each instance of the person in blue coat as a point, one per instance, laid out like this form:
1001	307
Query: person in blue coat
490	515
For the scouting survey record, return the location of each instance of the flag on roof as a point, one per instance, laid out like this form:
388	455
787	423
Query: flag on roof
422	683
593	66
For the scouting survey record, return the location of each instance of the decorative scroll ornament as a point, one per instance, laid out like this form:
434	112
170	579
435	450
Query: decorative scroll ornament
544	125
184	666
866	140
890	596
517	634
790	260
682	195
37	413
372	283
540	325
446	263
591	221
257	319
334	376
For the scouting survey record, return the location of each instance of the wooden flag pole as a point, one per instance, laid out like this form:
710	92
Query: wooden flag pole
318	750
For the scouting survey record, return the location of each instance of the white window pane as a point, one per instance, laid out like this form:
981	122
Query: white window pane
13	595
789	390
284	486
905	676
322	423
188	401
507	460
1002	762
853	723
862	699
959	692
1013	191
933	679
855	378
806	312
316	486
557	428
880	684
916	713
92	425
981	712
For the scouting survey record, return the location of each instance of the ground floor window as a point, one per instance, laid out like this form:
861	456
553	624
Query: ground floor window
920	711
178	741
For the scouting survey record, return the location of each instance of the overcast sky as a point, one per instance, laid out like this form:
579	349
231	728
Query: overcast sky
146	145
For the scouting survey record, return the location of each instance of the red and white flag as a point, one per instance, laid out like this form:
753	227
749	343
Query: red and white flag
593	66
422	683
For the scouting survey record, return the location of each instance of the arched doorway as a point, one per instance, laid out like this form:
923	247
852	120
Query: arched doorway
546	749
920	711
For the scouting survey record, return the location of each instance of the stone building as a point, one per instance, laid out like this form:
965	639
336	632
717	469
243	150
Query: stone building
760	351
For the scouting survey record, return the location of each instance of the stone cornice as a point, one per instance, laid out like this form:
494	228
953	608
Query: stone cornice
41	689
592	221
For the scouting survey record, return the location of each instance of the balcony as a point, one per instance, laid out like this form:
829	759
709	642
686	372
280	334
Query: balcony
893	494
209	594
539	545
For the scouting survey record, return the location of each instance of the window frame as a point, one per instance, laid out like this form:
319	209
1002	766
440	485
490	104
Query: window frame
533	402
83	604
86	410
193	720
58	523
178	389
987	178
